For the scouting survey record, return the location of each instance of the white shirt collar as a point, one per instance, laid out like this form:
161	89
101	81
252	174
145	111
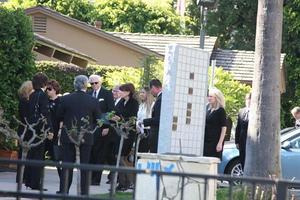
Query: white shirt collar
97	91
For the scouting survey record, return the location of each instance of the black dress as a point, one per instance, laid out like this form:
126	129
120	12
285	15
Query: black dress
215	120
23	113
126	111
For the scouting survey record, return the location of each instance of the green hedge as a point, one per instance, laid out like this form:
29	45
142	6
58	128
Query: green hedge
112	75
16	58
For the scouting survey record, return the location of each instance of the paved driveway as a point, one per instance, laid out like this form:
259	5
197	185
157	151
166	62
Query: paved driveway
7	182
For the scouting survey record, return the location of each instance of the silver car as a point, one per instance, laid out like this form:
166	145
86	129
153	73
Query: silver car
290	156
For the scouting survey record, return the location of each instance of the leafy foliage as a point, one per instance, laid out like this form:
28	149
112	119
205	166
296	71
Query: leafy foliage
17	61
112	75
137	16
234	91
152	68
115	15
234	22
291	46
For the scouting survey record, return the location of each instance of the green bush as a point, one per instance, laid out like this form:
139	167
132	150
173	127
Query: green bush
16	58
112	75
234	91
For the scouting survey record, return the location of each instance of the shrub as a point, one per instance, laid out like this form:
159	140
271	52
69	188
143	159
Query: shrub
16	58
234	91
112	75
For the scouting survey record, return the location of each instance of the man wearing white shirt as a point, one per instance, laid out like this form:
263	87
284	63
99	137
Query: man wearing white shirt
153	122
102	148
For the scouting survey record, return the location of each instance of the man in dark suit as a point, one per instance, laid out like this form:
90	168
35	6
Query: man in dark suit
102	150
37	109
242	129
153	122
72	109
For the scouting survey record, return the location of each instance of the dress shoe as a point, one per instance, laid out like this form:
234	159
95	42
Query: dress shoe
131	186
34	188
121	188
60	192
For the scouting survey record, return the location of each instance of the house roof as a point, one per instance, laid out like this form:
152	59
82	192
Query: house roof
51	43
158	42
239	63
89	28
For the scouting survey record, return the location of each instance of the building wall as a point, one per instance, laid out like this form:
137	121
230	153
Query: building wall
104	51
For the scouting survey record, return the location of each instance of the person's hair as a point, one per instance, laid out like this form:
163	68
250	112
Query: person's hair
80	82
128	87
149	99
156	83
295	110
39	80
25	90
94	77
55	85
220	100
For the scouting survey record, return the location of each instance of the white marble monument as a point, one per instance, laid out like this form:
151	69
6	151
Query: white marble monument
182	120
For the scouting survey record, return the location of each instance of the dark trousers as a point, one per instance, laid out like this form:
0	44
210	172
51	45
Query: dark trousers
242	150
144	143
69	155
32	175
102	153
153	141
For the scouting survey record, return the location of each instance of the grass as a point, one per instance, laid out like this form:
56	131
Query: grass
119	196
237	194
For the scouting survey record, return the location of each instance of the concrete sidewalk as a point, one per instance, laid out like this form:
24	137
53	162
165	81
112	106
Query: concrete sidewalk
7	183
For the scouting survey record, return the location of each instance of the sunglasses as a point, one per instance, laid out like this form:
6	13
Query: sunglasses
94	83
49	89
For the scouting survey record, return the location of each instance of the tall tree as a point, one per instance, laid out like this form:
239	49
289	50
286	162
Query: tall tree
264	124
233	22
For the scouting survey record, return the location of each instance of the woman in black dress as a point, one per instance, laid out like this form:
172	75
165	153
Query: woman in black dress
215	125
126	108
24	92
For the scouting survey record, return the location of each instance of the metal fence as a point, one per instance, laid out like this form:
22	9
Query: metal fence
250	187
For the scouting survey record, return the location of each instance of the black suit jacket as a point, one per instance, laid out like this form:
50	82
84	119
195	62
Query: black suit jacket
105	99
127	110
153	122
74	107
37	108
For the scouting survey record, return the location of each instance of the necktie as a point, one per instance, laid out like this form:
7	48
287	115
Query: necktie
95	94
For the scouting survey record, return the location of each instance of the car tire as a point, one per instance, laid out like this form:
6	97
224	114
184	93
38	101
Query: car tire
234	168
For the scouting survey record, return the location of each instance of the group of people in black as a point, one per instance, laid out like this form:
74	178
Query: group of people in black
40	98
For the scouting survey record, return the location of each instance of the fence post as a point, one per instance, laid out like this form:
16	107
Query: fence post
281	190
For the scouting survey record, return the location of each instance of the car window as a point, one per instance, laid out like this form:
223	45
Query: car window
290	135
295	143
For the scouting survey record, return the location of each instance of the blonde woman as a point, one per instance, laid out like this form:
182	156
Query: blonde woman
215	126
144	112
24	92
